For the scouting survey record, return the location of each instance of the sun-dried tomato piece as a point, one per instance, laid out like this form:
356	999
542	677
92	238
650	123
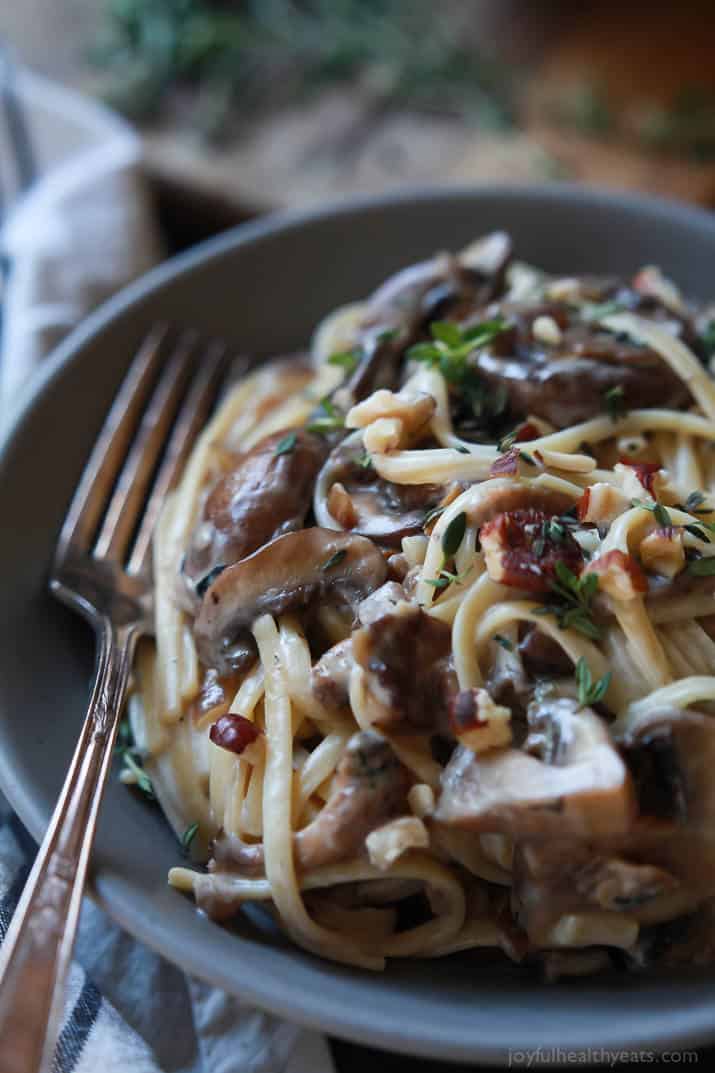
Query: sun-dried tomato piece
521	549
233	732
619	575
526	431
645	472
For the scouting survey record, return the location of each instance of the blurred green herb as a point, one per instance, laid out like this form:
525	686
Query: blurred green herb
590	692
573	607
328	419
255	54
131	759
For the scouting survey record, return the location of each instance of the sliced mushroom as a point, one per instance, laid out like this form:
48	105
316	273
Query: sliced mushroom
354	497
565	382
542	655
267	493
369	788
291	573
330	676
686	941
407	673
565	876
581	788
402	307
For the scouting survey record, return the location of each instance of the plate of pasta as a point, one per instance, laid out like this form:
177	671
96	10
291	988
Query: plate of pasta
429	709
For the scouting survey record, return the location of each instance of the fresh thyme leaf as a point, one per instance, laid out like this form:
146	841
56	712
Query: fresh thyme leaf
661	516
698	532
526	457
657	510
334	559
694	500
440	582
462	450
454	535
330	420
590	692
694	504
429	353
188	837
143	782
704	567
504	642
452	346
364	459
506	443
446	577
708	339
447	332
124	737
347	359
286	445
601	310
387	336
574	609
614	402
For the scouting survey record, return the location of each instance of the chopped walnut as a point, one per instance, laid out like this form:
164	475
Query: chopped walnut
662	551
479	723
420	798
651	282
639	477
388	843
341	506
602	503
383	435
546	330
619	575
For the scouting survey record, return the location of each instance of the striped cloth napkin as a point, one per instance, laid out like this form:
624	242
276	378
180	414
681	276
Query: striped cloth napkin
83	230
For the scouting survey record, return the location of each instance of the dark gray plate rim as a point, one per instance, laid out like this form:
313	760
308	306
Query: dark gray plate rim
334	1009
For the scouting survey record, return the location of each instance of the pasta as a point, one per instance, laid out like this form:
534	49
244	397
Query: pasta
434	665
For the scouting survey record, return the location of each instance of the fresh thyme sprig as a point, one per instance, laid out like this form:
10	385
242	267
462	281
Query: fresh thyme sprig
614	403
346	359
188	837
573	609
657	510
451	346
130	756
329	420
590	692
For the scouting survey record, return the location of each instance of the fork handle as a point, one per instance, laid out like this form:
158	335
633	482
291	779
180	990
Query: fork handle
35	956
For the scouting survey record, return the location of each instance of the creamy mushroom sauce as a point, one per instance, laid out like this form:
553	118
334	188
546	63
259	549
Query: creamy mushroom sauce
435	626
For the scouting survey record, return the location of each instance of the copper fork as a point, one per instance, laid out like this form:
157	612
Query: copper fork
101	570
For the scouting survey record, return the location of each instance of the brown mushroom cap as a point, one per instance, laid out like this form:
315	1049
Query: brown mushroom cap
376	508
430	290
408	677
586	792
565	383
267	493
288	574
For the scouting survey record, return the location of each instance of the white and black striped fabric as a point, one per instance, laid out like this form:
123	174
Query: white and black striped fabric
128	1009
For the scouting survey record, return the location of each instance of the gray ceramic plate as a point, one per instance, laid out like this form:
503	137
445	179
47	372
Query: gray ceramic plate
264	286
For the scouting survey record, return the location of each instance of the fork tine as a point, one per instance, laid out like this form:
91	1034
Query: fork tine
191	420
110	449
133	483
